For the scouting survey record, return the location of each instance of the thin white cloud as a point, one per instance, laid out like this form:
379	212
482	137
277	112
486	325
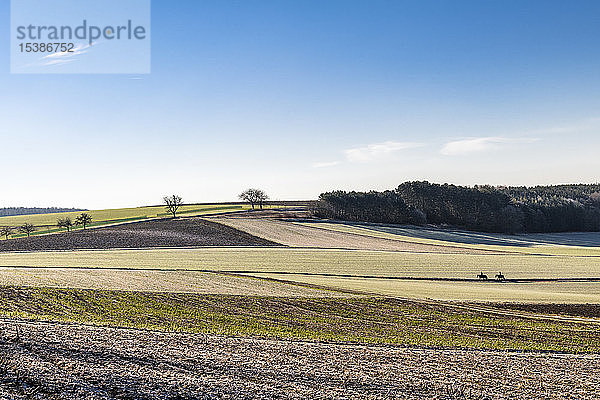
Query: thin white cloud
57	62
65	57
79	49
325	164
376	151
581	126
480	145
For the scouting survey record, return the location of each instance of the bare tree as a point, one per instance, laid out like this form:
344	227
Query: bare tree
27	228
6	231
84	219
254	197
262	198
172	204
65	223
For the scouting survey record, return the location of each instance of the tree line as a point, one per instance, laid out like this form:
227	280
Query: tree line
560	208
13	211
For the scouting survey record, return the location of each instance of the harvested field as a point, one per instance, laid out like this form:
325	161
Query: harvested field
156	233
55	361
534	292
154	281
297	235
350	263
345	269
587	239
465	240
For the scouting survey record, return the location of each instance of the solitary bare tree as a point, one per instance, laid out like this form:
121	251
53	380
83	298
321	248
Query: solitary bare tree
254	197
65	223
6	231
84	219
172	204
27	228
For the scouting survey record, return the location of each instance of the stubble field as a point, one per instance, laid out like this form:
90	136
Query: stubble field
55	361
529	278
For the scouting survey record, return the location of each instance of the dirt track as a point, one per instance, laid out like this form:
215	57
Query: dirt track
56	361
158	233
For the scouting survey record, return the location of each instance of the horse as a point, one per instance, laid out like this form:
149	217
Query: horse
482	276
500	277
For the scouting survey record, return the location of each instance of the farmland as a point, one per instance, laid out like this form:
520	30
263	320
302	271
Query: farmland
536	292
349	319
381	272
274	281
356	263
308	235
46	223
576	244
157	282
153	233
58	361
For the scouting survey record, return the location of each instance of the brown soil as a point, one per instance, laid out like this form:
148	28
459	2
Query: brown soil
54	361
157	233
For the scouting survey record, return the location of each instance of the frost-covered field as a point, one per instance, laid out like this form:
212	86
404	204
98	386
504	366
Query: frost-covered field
54	361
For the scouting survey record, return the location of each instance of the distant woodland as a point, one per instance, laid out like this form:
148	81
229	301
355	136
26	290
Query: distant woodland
560	208
11	211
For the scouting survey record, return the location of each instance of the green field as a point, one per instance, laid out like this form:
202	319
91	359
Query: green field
355	320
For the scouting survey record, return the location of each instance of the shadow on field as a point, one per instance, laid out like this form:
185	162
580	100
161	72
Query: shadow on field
586	239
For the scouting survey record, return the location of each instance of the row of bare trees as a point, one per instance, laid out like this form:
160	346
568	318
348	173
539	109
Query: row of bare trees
82	220
6	231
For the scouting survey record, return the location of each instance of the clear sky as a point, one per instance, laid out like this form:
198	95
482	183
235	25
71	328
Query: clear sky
301	97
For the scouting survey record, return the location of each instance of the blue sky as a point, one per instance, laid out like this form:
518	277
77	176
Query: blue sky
300	97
